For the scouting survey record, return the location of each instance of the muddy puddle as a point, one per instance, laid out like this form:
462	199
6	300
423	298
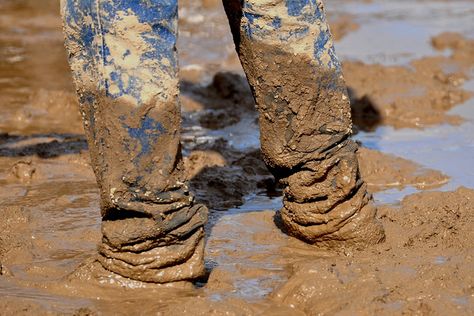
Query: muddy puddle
407	27
411	84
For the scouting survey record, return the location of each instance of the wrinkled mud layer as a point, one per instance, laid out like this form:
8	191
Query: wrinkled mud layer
414	117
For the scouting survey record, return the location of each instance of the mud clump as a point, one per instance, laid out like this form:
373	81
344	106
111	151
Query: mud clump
23	170
425	265
455	41
416	97
383	171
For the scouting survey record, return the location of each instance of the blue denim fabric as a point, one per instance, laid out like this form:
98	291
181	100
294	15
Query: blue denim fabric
127	52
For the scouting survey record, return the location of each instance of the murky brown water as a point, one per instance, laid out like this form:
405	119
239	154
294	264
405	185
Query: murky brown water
49	200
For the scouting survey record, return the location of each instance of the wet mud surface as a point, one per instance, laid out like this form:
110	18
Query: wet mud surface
413	115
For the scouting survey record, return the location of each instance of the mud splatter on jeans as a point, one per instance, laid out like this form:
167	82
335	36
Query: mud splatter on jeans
124	62
287	53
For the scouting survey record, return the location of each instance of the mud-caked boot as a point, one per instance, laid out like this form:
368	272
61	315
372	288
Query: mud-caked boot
124	64
305	121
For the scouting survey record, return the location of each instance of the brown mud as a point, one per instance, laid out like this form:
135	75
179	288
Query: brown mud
414	97
49	204
305	139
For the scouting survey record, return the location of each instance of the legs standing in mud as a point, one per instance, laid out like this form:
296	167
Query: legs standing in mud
124	63
287	53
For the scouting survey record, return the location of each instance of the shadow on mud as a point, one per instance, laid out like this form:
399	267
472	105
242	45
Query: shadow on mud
224	102
41	145
365	114
228	97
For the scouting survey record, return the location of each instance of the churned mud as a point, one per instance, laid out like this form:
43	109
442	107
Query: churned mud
413	118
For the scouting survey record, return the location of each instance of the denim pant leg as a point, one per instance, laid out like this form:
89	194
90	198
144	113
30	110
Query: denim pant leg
124	63
287	53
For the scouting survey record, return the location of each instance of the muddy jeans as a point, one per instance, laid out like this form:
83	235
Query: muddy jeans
124	63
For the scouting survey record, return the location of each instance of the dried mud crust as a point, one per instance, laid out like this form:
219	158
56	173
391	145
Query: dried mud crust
416	96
